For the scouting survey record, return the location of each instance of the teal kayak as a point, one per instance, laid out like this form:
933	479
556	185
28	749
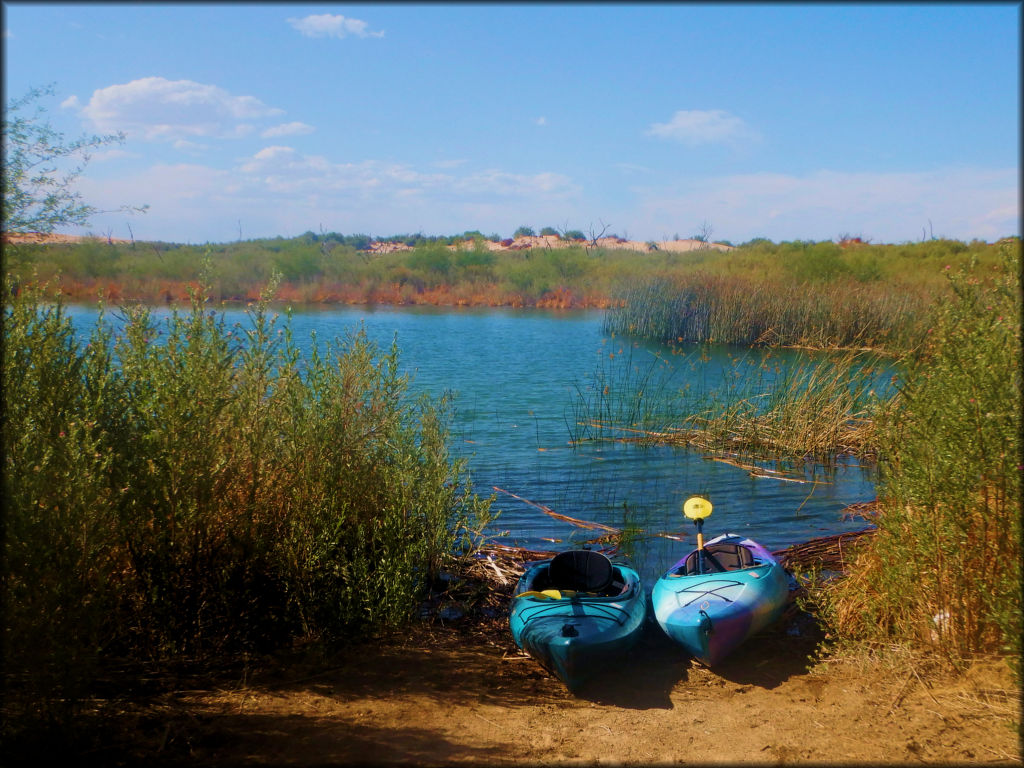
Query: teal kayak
713	606
577	613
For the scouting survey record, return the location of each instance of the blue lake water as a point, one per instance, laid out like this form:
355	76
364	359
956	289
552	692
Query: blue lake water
519	378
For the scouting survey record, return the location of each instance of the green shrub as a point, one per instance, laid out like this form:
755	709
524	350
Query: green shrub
815	262
432	262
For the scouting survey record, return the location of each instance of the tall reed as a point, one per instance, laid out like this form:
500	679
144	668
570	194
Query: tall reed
185	488
944	569
702	307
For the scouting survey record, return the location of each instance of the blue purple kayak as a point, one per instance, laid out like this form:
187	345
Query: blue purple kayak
712	607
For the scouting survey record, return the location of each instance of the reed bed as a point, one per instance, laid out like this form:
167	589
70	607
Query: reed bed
731	309
185	489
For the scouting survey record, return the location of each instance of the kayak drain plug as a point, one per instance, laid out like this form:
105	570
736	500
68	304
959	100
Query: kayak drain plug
569	630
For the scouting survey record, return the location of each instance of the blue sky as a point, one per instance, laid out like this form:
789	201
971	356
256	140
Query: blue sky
798	121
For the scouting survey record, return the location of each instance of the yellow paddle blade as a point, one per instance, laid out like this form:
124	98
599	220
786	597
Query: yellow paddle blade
549	594
697	508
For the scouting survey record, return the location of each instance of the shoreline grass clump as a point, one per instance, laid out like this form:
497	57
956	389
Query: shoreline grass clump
943	571
772	405
814	408
184	489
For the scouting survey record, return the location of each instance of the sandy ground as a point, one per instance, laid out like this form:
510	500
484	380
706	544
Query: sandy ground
460	695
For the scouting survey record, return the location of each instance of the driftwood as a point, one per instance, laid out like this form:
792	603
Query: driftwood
827	553
611	534
557	516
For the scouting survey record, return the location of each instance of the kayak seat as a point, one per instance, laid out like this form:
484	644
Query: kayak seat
581	570
720	557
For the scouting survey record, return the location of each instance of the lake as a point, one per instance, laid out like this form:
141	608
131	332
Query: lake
520	379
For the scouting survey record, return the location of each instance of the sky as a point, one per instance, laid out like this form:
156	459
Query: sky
894	123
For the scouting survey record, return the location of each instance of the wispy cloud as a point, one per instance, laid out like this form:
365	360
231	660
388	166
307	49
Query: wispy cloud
282	169
632	168
694	127
541	120
158	109
107	155
887	207
287	129
332	25
451	163
280	190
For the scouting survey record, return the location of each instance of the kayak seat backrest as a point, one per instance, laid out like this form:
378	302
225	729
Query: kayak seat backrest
619	585
581	570
720	557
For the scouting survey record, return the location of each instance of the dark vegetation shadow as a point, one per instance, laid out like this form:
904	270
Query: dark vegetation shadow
203	738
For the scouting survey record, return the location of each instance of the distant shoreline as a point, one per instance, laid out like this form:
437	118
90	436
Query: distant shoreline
390	246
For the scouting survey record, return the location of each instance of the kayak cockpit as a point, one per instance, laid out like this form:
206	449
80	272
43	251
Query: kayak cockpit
578	572
718	557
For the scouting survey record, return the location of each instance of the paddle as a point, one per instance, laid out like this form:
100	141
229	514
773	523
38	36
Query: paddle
697	508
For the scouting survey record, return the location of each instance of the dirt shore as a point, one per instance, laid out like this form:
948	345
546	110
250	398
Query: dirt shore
464	695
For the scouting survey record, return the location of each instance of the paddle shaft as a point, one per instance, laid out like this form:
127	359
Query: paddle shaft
700	545
697	508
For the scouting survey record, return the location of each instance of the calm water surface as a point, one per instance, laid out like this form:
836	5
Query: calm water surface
519	377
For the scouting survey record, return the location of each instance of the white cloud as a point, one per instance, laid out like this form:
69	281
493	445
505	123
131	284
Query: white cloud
694	127
157	109
287	129
331	25
541	120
